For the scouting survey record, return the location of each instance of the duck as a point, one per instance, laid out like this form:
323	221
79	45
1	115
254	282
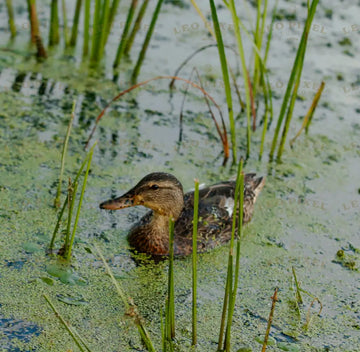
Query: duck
163	194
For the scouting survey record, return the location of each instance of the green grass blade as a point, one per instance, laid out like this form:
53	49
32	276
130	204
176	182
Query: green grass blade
74	31
235	20
194	263
80	202
65	24
54	36
121	47
10	11
111	17
63	155
145	45
75	336
96	34
225	74
71	202
104	24
171	294
296	70
136	27
86	27
51	246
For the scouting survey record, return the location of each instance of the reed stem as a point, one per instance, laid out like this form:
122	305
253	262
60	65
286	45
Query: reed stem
75	26
130	307
104	24
225	74
63	155
71	202
274	300
125	32
235	20
136	27
171	289
75	336
10	11
112	14
295	75
96	35
35	32
310	113
54	36
80	202
65	24
145	45
194	263
239	199
86	27
51	246
230	290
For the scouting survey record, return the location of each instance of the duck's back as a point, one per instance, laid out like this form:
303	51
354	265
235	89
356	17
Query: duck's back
216	204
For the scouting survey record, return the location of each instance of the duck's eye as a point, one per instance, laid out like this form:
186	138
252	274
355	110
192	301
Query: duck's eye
154	187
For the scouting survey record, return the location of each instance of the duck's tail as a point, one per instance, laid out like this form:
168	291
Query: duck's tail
255	184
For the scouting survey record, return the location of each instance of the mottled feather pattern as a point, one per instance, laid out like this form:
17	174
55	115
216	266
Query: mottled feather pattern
215	220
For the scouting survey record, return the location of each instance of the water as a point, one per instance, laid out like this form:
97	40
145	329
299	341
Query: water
307	212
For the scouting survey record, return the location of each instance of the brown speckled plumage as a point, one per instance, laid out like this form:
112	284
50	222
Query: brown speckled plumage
163	194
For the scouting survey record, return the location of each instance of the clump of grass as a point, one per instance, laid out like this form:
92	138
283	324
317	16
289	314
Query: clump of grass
69	202
10	11
288	103
65	25
86	27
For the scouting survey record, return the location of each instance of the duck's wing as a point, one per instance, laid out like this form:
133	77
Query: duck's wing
216	205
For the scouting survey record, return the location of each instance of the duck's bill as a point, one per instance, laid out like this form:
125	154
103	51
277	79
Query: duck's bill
125	201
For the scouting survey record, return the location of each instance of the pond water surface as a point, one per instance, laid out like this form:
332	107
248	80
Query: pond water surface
307	212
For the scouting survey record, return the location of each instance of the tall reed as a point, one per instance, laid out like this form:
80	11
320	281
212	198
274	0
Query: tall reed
35	31
112	14
194	263
74	31
233	270
86	27
63	154
10	11
54	36
104	25
293	84
136	27
65	24
145	45
96	34
122	43
225	74
247	82
170	311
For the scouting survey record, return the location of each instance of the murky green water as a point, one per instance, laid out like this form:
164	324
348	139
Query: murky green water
308	211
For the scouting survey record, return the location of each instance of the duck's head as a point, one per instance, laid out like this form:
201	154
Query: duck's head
159	191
